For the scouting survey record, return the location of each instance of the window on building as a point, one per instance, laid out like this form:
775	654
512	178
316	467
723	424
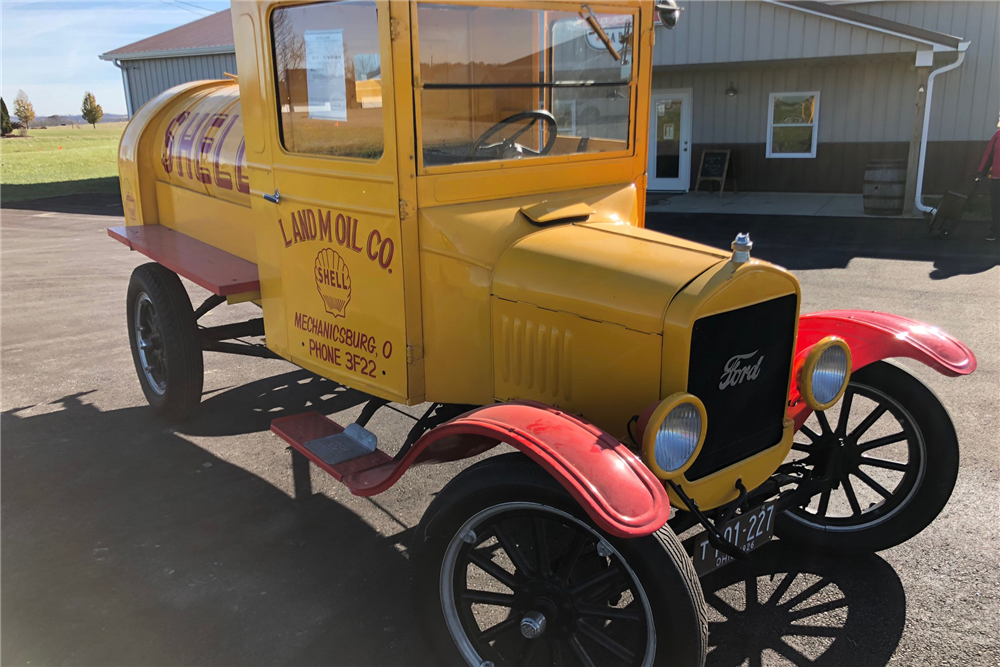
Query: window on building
329	78
792	124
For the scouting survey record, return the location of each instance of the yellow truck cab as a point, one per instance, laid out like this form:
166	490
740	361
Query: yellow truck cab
444	203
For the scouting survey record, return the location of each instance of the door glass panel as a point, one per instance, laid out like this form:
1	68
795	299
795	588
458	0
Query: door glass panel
329	78
668	138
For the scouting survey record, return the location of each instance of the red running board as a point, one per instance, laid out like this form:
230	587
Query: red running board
297	430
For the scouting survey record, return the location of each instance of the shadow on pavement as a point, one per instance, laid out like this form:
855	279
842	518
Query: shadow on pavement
124	543
258	403
96	196
831	243
800	607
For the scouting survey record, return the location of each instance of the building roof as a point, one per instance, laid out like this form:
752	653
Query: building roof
939	41
212	34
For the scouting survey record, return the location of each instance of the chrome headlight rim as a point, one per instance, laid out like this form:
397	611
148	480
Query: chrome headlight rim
656	419
807	372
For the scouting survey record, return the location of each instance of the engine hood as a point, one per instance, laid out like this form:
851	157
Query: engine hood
602	271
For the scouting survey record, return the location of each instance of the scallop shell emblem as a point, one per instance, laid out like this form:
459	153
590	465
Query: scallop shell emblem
333	280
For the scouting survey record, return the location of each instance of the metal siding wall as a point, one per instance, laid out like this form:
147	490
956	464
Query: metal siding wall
966	100
859	103
741	31
149	78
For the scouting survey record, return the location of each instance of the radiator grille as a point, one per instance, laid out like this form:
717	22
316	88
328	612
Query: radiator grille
740	364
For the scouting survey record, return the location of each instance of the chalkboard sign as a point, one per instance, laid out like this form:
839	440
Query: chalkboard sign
713	164
715	167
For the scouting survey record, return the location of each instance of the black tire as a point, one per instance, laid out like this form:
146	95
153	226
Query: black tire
661	590
175	376
927	476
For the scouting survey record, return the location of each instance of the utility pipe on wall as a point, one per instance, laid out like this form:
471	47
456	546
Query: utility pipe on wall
918	202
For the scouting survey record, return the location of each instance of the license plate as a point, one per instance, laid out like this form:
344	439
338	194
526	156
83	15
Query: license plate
747	531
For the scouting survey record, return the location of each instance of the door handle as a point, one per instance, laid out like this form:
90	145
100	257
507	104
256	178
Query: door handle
275	198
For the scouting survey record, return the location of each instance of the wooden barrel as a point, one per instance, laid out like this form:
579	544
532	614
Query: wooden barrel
884	187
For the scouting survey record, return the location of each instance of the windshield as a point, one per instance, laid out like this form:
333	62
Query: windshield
510	83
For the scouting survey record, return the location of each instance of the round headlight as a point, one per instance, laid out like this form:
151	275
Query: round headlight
674	435
825	373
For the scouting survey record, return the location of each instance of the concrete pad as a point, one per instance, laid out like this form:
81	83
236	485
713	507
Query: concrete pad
760	203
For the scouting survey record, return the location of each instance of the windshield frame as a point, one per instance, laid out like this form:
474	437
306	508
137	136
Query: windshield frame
488	165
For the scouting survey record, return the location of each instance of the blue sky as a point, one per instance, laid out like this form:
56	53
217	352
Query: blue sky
50	49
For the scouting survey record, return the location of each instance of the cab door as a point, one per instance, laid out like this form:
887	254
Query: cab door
334	233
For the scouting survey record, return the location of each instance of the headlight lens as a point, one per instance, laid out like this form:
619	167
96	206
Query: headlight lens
826	372
674	435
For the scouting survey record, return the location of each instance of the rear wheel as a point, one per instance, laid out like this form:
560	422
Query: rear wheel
891	453
163	335
511	572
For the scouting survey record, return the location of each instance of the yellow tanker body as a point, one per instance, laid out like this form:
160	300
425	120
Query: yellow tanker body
444	202
183	165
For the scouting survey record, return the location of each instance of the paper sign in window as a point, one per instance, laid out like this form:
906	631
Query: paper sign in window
325	74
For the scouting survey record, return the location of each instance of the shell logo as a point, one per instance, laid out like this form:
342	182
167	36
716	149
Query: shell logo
333	280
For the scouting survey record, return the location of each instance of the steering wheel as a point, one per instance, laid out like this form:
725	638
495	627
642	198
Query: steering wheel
507	147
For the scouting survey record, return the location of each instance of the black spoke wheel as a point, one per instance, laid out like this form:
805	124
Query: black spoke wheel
163	335
510	572
888	454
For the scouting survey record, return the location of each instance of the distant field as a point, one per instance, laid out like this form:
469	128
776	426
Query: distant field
60	161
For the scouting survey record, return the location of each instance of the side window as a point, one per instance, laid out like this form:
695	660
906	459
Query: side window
329	78
792	124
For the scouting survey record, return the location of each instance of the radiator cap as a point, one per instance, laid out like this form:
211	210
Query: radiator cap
741	248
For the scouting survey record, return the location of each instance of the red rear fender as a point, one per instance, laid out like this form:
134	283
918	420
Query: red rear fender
609	481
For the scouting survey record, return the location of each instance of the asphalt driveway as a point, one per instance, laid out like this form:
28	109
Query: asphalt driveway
130	541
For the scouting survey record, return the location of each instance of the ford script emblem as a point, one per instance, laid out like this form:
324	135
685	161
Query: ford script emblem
739	369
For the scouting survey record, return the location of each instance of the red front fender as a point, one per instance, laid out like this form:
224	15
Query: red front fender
873	336
610	482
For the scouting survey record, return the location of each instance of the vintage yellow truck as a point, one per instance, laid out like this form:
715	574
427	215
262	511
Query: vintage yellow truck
408	193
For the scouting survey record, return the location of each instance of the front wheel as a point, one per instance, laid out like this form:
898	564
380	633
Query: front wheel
511	572
890	453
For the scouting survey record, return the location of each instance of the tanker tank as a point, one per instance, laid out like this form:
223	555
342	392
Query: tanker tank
182	161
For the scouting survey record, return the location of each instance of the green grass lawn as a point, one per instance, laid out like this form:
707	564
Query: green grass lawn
60	161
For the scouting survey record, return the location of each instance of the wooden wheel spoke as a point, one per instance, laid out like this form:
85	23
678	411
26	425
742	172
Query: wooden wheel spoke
809	433
487	597
491	633
852	498
882	442
527	651
581	653
801	447
824	502
883	463
878	488
544	564
491	568
609	613
556	653
572	556
845	412
605	641
596	580
510	547
863	427
824	422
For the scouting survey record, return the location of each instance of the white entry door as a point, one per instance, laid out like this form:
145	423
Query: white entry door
670	141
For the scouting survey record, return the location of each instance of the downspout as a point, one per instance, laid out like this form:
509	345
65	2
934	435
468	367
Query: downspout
128	92
918	197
